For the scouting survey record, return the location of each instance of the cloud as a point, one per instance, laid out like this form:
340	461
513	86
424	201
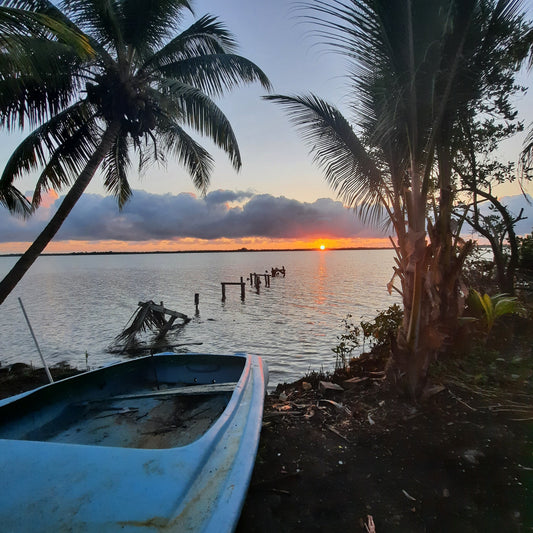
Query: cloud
221	214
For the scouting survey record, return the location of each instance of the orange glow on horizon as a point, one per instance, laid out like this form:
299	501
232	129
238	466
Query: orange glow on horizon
189	245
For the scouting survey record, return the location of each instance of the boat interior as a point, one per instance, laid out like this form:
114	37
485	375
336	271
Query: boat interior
154	402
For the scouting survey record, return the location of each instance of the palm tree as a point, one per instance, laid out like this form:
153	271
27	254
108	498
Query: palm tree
415	67
136	90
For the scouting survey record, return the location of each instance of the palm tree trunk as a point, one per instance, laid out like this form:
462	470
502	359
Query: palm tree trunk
32	253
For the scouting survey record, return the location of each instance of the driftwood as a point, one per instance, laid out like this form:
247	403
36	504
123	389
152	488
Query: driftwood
149	316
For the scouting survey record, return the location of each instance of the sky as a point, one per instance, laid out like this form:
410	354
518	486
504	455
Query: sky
279	199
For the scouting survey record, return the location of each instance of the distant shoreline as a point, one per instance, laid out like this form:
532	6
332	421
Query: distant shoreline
244	250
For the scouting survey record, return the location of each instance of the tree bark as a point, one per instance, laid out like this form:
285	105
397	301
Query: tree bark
32	253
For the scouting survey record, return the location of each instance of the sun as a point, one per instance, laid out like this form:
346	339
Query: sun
322	246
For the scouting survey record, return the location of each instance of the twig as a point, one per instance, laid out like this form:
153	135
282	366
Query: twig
333	430
408	496
281	491
461	401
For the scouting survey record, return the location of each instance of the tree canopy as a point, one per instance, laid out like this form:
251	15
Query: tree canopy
418	72
96	82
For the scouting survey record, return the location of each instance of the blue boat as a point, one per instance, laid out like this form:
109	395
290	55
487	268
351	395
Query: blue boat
162	443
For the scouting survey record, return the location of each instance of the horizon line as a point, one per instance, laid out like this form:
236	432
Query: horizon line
244	250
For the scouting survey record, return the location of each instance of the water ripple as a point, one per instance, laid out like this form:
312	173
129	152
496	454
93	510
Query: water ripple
78	304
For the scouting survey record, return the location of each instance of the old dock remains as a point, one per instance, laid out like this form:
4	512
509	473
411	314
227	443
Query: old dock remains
241	283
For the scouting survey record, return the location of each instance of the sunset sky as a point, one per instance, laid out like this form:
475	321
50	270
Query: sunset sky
278	200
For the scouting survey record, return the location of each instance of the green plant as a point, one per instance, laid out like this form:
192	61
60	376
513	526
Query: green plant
383	327
489	308
379	330
348	342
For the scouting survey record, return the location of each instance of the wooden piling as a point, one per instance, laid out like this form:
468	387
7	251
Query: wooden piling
241	283
255	279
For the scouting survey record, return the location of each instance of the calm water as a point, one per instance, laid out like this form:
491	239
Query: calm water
78	304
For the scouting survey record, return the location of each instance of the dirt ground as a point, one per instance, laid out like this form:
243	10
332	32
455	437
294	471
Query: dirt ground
460	460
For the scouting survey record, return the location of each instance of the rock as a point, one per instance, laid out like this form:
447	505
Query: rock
473	456
326	386
20	368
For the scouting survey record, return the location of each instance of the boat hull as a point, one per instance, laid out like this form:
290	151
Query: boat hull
63	475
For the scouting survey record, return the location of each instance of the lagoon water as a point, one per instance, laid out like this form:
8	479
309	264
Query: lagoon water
77	304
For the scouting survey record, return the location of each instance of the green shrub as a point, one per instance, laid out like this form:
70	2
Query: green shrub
378	331
383	327
348	342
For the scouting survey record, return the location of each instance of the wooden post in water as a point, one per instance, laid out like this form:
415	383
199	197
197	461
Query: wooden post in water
196	301
242	283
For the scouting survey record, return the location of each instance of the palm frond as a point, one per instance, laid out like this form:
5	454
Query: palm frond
144	319
67	161
526	156
347	166
115	167
20	23
217	73
351	28
149	24
205	37
196	160
36	82
198	111
14	200
62	146
101	19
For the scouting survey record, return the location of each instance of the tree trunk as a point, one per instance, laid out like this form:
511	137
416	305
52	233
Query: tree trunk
32	253
505	269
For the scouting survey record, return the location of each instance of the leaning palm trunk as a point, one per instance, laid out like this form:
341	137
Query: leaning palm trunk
32	253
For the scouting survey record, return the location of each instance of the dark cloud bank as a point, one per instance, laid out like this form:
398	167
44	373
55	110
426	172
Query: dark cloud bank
221	214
